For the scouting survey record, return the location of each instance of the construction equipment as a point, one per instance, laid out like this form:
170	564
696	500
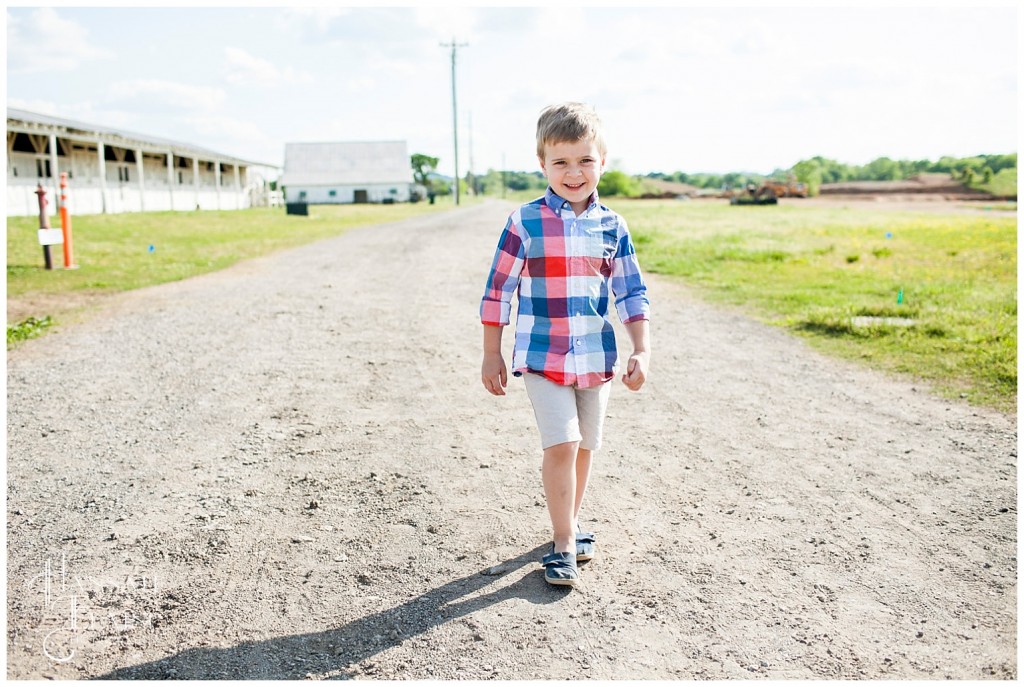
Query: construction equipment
785	189
768	192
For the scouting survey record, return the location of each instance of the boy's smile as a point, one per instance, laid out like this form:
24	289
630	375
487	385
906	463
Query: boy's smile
573	169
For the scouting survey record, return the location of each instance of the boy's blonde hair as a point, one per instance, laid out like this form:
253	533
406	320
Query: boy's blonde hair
568	123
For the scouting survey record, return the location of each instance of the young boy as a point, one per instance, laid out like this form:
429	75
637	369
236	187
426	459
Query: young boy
563	254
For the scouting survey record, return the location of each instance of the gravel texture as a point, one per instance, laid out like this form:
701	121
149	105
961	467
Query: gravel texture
290	469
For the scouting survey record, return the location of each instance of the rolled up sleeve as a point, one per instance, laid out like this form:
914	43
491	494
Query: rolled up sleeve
627	282
503	279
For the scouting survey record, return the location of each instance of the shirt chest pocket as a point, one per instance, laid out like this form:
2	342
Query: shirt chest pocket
598	246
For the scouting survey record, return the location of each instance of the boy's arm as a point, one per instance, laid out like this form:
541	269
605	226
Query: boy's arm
633	307
493	372
627	282
496	306
636	369
503	278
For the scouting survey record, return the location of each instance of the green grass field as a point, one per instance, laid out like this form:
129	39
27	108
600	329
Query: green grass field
814	269
114	250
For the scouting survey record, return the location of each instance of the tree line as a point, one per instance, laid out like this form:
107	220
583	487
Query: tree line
821	170
813	171
979	168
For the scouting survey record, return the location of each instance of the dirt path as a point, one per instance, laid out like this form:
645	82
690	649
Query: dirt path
290	469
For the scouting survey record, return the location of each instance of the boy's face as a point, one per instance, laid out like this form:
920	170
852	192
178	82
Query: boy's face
573	170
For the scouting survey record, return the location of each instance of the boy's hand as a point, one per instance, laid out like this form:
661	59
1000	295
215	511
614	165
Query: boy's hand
494	374
636	370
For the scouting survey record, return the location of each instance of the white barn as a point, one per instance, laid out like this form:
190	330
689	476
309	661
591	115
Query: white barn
112	171
354	172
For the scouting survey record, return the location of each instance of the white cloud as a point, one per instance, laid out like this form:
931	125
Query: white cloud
310	20
449	21
242	68
44	41
168	93
226	127
85	111
361	84
47	107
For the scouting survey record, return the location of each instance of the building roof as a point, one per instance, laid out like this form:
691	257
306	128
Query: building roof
36	123
341	163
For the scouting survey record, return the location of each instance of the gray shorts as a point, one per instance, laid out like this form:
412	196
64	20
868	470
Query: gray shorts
565	413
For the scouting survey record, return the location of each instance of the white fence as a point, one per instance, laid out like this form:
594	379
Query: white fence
22	199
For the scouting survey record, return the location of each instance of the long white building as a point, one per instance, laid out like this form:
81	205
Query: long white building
111	171
347	172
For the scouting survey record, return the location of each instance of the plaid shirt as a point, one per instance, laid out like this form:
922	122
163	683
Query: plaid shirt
562	267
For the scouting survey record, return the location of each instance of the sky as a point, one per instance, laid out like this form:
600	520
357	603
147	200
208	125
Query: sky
695	89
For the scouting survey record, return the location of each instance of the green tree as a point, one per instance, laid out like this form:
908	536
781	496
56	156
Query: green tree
733	179
840	172
422	166
616	183
882	169
809	172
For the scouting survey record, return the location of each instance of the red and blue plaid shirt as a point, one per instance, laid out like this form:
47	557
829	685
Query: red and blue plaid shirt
563	267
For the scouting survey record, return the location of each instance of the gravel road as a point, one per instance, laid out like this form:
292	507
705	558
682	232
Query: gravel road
289	469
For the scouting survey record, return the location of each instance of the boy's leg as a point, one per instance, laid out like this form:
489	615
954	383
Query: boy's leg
560	488
583	461
591	406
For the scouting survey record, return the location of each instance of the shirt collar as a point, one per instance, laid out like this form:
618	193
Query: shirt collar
557	202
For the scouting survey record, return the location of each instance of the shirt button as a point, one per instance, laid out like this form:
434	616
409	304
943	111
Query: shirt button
579	342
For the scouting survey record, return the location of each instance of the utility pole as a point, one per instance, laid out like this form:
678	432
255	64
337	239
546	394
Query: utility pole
470	171
455	113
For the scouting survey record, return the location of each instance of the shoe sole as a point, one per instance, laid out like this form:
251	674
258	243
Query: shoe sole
562	583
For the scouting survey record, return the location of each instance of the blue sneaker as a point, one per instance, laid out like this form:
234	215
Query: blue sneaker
585	545
560	568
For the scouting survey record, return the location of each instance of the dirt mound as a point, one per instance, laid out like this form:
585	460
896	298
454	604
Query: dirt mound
673	188
929	184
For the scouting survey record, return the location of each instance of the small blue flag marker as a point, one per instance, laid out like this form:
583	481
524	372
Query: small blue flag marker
899	297
888	234
152	248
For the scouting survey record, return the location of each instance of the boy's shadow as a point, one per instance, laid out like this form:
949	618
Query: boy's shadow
331	651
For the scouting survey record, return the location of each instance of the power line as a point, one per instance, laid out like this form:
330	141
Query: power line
455	113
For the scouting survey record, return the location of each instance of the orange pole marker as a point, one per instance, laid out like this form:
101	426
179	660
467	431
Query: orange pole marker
65	223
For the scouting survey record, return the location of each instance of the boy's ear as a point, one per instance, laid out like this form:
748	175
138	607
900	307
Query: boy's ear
542	167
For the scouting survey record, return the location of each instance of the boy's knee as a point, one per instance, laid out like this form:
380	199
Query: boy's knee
564	451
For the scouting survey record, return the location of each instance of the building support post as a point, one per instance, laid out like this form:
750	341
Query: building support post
170	176
195	179
101	154
238	189
216	172
142	180
54	169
